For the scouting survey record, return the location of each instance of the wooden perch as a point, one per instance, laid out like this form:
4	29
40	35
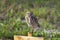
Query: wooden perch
29	37
30	34
17	37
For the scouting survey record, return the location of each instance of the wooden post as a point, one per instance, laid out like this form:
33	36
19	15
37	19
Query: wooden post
17	37
29	37
30	34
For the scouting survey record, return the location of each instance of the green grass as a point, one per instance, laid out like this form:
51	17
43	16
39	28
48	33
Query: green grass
14	23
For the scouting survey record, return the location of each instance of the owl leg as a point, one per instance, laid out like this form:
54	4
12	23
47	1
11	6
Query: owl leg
32	30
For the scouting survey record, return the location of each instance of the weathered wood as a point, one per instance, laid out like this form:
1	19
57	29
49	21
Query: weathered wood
17	37
30	34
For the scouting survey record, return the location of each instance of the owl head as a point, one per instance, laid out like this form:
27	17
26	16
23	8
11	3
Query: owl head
29	13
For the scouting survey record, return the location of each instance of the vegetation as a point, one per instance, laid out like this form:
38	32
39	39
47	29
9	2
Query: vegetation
12	21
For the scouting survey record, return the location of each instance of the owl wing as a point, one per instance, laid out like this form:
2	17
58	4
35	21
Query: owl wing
34	21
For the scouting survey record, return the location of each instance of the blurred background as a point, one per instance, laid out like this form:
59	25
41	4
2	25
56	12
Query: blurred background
12	17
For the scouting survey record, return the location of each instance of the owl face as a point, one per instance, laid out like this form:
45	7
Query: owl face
29	13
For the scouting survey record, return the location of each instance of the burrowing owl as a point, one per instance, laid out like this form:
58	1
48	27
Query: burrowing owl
31	20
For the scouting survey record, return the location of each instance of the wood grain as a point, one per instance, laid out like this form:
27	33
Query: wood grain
17	37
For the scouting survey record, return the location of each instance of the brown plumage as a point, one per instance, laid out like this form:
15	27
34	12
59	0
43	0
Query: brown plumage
31	20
